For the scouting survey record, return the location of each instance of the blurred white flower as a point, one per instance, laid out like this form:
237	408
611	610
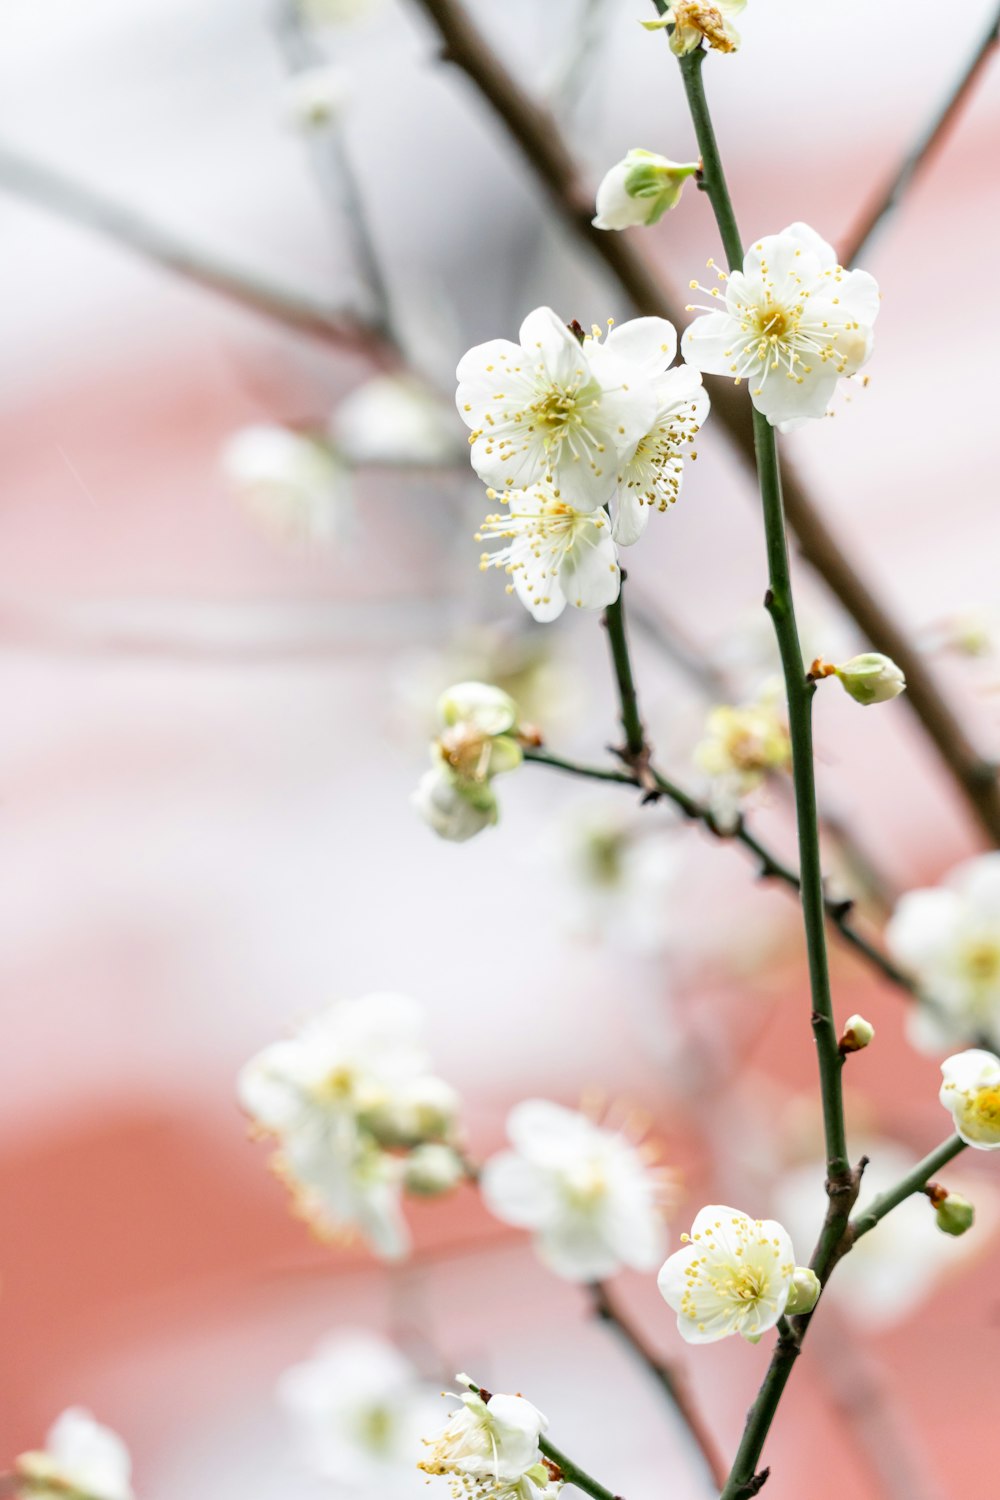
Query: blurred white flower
698	21
478	741
449	810
640	189
742	747
970	632
294	486
489	1448
335	12
554	555
794	323
615	876
344	1186
358	1410
871	678
396	419
585	1191
971	1092
949	939
539	411
734	1275
315	97
81	1461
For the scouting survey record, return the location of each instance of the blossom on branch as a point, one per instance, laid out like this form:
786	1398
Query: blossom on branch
790	324
742	747
697	21
81	1461
479	740
971	1091
553	553
586	1192
489	1449
640	189
734	1275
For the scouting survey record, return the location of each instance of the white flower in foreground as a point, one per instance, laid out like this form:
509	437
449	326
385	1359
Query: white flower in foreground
871	678
489	1447
734	1275
294	485
81	1461
698	21
640	189
315	97
539	412
585	1191
949	939
793	323
395	419
971	1091
358	1410
554	555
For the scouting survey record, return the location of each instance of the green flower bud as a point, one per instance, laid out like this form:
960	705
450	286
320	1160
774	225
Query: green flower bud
804	1293
871	678
954	1214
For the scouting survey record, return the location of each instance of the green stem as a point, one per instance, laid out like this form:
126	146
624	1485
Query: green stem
573	1474
906	1187
614	622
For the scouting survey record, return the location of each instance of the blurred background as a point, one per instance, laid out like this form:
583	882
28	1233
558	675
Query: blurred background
217	710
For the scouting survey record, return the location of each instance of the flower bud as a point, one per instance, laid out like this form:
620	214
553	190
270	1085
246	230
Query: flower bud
453	811
871	678
954	1213
804	1292
640	189
856	1035
431	1170
488	708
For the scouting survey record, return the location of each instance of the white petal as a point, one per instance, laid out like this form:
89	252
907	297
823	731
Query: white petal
782	399
813	242
648	344
710	343
590	576
517	1191
631	517
544	335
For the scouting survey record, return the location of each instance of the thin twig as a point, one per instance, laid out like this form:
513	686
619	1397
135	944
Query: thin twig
920	155
536	133
914	1180
569	1471
668	1378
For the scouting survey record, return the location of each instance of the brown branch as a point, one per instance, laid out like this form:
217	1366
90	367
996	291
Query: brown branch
537	134
919	157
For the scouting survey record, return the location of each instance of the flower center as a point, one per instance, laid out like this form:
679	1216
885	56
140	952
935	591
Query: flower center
774	323
467	751
985	1105
337	1086
586	1185
982	961
744	1284
604	858
376	1426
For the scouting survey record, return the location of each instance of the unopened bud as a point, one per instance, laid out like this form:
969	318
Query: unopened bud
856	1035
640	189
488	708
804	1292
871	678
432	1170
954	1213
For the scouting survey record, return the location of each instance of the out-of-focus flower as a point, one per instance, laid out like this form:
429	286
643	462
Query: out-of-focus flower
538	411
554	555
395	419
949	939
81	1461
585	1191
794	323
615	876
971	1092
698	21
478	741
742	747
335	12
347	1097
358	1410
315	97
871	678
294	485
734	1275
970	632
489	1448
640	189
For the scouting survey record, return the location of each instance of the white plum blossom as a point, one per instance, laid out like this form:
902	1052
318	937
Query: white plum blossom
971	1092
698	21
586	1192
743	745
948	937
640	189
396	419
734	1275
871	678
358	1410
539	412
792	322
489	1449
294	485
315	97
81	1461
478	740
344	1187
553	554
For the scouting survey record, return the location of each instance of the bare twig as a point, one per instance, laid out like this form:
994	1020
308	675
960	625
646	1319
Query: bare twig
918	158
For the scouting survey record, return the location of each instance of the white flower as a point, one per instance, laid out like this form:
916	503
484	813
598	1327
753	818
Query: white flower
81	1461
315	97
490	1448
554	554
395	419
358	1410
794	323
640	189
734	1275
971	1091
344	1185
742	747
292	484
871	678
949	938
698	21
455	797
585	1191
444	806
539	412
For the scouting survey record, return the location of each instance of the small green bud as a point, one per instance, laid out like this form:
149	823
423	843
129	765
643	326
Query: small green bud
871	678
954	1213
804	1292
431	1170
